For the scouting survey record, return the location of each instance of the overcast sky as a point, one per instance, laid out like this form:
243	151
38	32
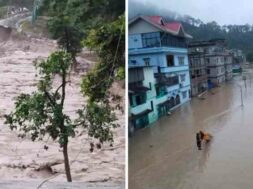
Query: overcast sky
221	11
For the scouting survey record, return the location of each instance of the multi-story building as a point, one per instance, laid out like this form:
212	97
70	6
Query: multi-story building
159	50
238	60
197	71
228	66
216	60
142	94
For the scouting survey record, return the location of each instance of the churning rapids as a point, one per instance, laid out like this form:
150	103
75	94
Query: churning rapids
21	159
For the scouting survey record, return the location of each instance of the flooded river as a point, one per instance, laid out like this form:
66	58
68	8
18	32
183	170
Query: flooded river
23	160
165	155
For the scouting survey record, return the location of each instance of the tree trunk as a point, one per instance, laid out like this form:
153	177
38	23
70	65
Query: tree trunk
66	162
75	63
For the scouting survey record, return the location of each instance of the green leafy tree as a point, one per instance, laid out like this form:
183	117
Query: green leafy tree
108	41
71	19
42	112
250	57
62	28
69	36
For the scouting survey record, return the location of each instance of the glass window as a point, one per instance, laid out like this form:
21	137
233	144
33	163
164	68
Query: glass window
208	71
181	60
151	39
133	62
172	41
140	99
170	60
182	77
184	94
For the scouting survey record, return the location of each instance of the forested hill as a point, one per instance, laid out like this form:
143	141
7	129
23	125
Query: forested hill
237	36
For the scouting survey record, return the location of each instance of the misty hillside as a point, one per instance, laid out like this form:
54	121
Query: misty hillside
237	36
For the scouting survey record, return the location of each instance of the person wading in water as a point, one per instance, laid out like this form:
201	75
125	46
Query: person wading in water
202	136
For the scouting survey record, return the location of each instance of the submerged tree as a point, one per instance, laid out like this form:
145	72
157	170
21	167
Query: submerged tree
42	112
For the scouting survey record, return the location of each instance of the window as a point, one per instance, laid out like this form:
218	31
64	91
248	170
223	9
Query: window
146	61
181	61
172	81
131	100
170	60
151	39
222	70
207	60
160	91
208	71
172	41
159	69
182	77
195	61
140	99
184	94
133	62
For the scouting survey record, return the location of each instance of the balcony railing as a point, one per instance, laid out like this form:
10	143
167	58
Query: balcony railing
174	69
162	80
198	79
137	88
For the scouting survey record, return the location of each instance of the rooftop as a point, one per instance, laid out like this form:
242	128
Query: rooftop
174	28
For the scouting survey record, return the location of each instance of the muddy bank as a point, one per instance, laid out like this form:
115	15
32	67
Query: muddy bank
21	159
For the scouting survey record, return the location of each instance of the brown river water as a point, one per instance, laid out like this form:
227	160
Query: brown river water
21	159
165	155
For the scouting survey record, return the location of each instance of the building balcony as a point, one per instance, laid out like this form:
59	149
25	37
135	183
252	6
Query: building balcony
141	108
197	67
198	79
151	50
162	80
174	69
137	88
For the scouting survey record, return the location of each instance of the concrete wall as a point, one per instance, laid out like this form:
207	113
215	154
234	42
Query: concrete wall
216	71
134	41
155	59
218	80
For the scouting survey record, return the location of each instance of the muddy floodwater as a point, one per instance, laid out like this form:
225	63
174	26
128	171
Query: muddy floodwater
24	160
165	155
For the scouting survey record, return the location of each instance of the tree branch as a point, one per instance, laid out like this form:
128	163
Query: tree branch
49	97
60	87
79	124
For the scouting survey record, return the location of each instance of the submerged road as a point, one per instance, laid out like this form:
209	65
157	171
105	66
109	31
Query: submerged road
165	156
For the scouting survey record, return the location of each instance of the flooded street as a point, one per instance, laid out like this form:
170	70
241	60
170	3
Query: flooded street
165	155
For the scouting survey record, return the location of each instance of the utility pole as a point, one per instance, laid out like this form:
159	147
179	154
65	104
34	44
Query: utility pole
241	95
250	78
36	4
244	79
